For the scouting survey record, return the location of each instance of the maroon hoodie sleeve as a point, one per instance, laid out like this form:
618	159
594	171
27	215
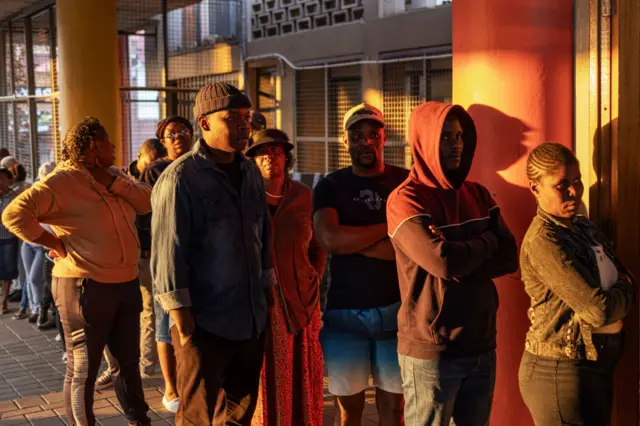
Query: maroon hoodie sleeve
505	259
441	258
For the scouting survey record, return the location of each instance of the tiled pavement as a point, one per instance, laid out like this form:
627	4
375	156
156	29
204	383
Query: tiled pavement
32	371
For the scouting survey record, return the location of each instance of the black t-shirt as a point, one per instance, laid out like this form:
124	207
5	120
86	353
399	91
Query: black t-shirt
359	282
233	172
150	176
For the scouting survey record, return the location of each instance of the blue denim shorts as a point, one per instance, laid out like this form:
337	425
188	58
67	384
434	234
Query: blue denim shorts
162	324
358	343
9	259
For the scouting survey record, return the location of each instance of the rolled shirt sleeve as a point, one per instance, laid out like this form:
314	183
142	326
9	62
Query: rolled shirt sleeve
170	228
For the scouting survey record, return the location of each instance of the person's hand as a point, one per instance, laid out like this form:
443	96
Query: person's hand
58	252
185	324
268	294
103	175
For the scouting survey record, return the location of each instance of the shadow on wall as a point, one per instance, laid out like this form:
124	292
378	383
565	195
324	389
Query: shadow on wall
500	165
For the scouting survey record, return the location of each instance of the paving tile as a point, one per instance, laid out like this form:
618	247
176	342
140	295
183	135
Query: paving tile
29	410
29	402
21	380
53	397
32	392
6	396
47	414
154	402
115	421
152	393
105	394
101	403
106	412
14	421
53	405
7	406
163	413
15	374
53	421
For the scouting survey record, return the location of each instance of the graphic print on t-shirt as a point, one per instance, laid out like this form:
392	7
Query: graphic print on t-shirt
371	199
358	281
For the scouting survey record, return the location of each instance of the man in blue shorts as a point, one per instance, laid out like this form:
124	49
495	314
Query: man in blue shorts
359	335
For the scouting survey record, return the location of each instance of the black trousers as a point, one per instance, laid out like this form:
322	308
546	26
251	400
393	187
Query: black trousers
47	294
218	379
93	315
571	392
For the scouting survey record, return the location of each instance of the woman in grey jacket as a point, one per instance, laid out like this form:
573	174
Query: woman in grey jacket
579	294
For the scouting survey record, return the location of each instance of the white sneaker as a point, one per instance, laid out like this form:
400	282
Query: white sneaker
64	357
58	337
171	406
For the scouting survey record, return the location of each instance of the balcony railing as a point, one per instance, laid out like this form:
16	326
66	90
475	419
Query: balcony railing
394	7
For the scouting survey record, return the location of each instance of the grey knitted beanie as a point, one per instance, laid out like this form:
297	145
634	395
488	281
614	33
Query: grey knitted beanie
217	97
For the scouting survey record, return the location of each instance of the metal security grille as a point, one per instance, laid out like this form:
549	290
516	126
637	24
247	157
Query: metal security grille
168	49
323	96
267	95
29	125
169	52
405	85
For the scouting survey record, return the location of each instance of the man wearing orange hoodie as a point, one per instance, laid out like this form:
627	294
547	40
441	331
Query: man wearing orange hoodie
450	243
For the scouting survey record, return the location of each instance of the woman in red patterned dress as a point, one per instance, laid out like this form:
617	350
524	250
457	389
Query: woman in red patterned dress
291	388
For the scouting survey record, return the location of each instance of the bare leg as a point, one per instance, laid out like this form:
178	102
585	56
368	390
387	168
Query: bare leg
168	366
390	408
351	409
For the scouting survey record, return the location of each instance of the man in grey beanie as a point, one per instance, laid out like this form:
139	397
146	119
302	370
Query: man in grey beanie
211	263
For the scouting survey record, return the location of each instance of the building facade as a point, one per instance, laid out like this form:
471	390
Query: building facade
303	63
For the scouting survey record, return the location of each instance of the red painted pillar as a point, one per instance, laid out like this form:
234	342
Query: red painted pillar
512	69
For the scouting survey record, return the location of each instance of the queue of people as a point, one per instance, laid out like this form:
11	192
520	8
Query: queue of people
206	258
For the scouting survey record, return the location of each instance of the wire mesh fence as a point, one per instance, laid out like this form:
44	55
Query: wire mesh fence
167	51
323	96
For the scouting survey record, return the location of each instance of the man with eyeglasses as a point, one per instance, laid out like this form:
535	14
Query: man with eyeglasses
211	263
359	332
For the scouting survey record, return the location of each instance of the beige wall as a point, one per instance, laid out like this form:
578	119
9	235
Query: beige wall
415	30
418	29
220	59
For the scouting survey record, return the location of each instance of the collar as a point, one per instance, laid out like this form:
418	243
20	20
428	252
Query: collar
200	155
552	219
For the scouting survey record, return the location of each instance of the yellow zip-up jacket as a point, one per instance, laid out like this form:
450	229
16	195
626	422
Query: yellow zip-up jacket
96	224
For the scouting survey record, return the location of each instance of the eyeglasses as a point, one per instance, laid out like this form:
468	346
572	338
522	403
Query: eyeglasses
176	135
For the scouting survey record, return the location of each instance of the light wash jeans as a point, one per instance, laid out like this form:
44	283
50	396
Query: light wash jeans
450	392
33	260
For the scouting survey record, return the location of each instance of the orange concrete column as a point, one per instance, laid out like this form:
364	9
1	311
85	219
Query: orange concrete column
512	69
89	79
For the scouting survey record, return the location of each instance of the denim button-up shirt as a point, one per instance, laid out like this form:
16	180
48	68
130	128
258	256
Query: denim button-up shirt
211	249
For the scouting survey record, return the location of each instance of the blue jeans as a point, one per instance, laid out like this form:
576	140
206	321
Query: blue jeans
452	392
33	261
163	335
24	298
